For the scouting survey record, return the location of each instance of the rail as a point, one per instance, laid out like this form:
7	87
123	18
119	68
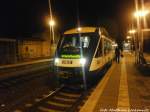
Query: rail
13	70
63	99
24	63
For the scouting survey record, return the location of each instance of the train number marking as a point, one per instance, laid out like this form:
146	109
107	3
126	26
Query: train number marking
66	62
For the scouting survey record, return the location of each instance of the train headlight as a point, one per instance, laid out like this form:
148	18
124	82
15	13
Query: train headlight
82	61
56	60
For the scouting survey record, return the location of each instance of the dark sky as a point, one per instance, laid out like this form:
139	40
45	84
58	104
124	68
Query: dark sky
28	17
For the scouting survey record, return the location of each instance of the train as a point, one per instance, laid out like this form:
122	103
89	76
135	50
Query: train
82	53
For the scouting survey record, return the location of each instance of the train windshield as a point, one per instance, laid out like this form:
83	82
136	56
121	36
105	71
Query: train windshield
71	45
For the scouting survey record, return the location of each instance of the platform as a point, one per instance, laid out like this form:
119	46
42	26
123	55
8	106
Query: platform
123	88
24	63
25	67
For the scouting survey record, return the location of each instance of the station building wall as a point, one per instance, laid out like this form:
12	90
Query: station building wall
12	50
7	51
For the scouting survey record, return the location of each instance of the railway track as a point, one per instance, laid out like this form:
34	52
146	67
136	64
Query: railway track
16	91
17	80
64	99
24	77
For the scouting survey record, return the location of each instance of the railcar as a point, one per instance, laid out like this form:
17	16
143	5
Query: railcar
82	53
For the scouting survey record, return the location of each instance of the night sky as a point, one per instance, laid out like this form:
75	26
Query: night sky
22	18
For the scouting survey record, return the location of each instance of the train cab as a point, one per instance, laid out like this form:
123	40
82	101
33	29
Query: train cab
80	54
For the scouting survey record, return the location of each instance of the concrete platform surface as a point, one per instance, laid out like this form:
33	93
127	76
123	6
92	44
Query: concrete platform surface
123	89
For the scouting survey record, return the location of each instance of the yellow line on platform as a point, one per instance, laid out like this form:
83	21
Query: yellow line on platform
90	105
123	97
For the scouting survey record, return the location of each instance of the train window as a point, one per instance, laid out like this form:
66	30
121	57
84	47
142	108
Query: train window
70	45
107	47
73	43
99	50
85	41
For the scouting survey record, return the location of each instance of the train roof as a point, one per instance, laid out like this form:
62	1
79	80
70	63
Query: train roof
81	30
88	30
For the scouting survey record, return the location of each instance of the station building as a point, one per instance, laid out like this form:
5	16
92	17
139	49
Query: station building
17	50
7	51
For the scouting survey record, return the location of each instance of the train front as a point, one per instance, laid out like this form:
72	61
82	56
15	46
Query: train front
73	56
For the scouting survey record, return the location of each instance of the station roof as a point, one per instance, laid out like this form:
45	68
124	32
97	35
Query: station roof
81	30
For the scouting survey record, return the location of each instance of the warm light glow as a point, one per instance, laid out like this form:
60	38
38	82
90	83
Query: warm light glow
126	44
146	30
141	13
128	37
51	22
133	31
114	45
79	29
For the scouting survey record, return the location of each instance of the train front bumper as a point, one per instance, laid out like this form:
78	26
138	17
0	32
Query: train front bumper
70	75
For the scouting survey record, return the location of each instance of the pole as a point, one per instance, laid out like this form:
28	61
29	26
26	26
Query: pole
50	11
137	23
139	29
144	25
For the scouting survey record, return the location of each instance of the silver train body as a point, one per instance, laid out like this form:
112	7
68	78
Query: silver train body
81	53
